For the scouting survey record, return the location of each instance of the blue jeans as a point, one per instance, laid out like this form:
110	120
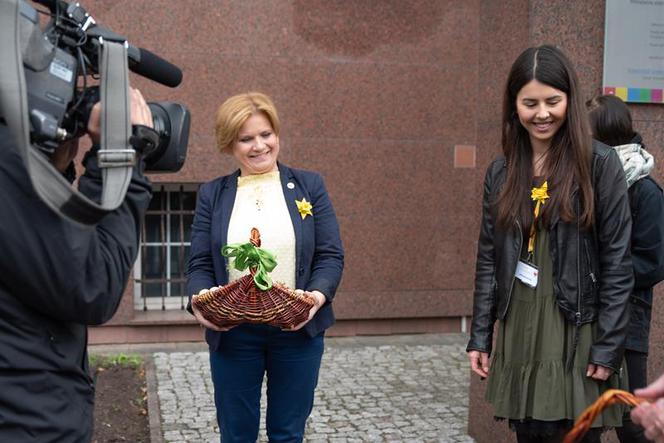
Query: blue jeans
291	361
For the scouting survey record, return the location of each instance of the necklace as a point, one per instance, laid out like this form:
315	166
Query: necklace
257	196
258	188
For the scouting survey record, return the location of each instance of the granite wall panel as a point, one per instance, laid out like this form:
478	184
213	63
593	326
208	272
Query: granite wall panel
375	95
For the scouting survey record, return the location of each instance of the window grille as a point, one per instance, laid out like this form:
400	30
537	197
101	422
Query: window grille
159	280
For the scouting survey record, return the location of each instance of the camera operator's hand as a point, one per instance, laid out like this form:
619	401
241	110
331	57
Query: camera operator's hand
139	111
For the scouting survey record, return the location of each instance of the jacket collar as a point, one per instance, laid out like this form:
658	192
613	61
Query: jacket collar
292	191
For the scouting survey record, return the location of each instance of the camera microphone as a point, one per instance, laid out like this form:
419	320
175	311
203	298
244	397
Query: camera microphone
150	65
142	61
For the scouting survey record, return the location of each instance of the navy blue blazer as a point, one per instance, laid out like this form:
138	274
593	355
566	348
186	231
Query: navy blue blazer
319	256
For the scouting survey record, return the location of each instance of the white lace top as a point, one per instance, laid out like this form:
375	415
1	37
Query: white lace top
260	203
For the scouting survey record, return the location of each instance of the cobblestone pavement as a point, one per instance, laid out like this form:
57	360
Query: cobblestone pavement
394	389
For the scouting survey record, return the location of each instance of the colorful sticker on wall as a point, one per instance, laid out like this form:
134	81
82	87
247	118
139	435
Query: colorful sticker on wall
636	95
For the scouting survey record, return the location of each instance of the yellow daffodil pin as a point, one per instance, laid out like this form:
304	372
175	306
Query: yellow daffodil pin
540	195
304	208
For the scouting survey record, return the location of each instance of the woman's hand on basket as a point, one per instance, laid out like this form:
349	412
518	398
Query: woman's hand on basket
319	301
598	372
479	363
203	322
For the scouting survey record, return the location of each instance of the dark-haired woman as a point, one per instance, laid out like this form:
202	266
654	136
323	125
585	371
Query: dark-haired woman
611	123
553	261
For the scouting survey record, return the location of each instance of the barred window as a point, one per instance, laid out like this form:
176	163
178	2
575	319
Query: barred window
159	280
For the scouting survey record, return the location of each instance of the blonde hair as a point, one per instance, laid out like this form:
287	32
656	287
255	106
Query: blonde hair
235	111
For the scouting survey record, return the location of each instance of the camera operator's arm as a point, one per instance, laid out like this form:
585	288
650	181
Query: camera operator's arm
67	271
111	253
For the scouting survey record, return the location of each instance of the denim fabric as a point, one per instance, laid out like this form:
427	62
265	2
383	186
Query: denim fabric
291	361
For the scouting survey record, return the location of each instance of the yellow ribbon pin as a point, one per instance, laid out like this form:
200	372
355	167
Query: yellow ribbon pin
304	208
539	195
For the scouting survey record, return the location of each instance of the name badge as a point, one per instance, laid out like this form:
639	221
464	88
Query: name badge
527	273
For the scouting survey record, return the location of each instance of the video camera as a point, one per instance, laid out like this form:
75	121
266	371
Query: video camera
57	61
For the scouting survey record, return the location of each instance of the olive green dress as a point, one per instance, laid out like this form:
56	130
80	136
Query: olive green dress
528	378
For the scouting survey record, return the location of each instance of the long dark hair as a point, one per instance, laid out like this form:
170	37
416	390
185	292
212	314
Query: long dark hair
568	161
610	120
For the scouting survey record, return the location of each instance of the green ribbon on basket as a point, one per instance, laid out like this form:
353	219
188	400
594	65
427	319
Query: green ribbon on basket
246	255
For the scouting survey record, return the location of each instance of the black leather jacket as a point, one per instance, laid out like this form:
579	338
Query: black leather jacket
592	269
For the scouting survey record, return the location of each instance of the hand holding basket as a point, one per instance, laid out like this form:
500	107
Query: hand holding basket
253	298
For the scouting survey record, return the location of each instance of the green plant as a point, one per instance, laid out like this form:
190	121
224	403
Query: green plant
122	360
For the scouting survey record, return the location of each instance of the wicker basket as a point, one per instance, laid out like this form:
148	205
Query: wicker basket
241	301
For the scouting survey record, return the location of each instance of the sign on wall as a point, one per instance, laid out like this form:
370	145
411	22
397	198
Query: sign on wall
634	50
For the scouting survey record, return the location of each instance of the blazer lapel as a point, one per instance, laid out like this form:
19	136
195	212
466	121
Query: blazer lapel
292	192
228	193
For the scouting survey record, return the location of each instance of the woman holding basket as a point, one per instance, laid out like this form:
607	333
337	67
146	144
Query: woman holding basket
296	220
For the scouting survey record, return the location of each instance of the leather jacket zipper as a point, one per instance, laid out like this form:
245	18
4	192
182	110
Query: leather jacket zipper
509	295
590	264
577	315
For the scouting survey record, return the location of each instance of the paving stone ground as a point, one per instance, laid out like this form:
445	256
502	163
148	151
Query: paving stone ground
371	389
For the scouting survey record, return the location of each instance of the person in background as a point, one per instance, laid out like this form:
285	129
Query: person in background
553	261
611	123
296	220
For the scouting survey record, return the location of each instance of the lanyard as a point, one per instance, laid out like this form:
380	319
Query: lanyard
538	195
